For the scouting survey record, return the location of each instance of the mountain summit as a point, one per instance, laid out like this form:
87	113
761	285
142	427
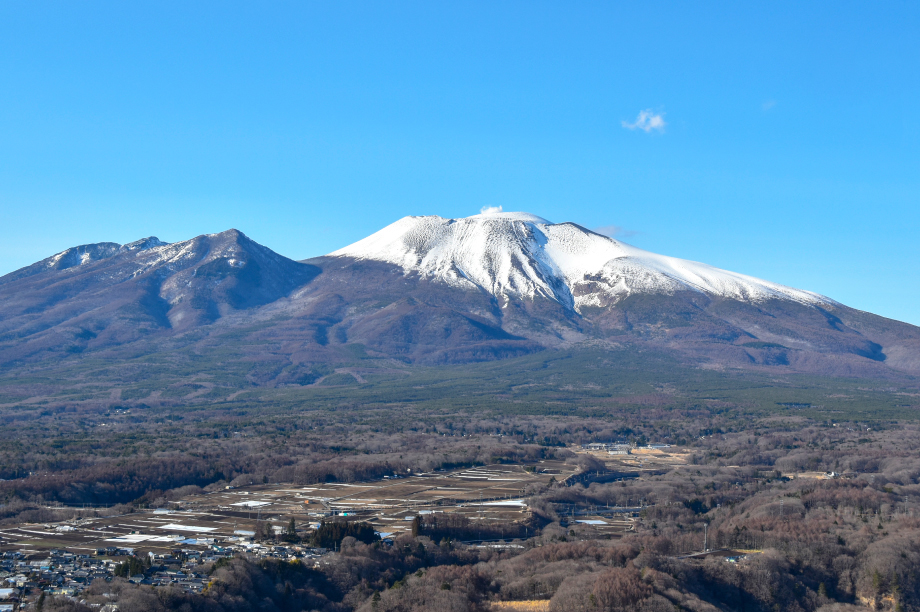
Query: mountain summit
520	255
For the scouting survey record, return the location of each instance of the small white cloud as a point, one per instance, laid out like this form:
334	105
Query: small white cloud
490	210
768	105
615	231
647	121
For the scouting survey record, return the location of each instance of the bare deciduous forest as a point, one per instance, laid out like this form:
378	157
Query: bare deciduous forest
809	515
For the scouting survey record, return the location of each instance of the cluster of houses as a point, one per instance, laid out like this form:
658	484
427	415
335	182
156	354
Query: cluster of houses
62	572
619	448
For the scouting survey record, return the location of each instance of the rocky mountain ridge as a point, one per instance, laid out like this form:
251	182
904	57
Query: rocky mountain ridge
432	291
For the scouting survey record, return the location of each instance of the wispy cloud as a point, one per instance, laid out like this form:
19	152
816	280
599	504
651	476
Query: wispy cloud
615	231
647	121
490	210
768	105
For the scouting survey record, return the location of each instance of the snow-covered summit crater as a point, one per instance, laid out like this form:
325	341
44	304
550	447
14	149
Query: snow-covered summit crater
492	215
520	255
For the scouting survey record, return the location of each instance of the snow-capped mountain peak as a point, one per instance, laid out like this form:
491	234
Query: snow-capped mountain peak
521	255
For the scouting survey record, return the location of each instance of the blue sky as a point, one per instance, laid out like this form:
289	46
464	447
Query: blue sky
789	150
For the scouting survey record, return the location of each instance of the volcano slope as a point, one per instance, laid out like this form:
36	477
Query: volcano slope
220	315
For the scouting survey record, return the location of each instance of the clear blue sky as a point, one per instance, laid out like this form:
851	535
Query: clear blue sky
790	148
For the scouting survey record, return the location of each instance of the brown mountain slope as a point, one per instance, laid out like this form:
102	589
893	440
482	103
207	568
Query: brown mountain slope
224	297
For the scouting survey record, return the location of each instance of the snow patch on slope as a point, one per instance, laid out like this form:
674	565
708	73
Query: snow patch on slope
522	255
89	253
176	256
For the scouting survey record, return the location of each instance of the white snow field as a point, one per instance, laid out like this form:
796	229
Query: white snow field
522	255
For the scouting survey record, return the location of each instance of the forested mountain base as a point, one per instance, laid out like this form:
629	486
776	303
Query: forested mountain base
164	431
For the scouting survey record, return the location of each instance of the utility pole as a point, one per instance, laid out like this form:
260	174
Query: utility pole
479	522
705	537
